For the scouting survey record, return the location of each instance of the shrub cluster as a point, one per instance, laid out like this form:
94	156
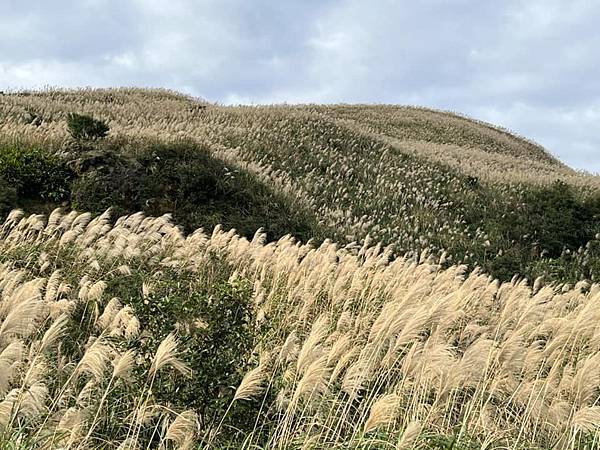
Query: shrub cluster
28	173
533	231
83	127
200	190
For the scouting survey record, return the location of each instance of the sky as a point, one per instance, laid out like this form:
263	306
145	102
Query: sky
531	66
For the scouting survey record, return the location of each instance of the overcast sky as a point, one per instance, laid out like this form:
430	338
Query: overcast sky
532	66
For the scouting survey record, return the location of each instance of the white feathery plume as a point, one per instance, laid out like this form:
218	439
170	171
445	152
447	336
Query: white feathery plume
55	332
123	364
410	435
166	355
95	360
252	384
183	429
383	411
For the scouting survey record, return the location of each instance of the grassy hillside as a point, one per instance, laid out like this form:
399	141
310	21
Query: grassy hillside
383	304
416	179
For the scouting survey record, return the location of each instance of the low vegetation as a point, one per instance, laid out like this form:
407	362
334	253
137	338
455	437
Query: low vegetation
180	177
82	127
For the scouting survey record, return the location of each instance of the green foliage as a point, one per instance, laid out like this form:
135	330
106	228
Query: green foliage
530	231
557	219
82	127
209	310
8	196
184	179
213	318
32	173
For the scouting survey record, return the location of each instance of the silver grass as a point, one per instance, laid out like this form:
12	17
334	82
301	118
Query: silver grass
71	426
52	286
95	360
54	333
183	429
123	364
84	397
587	419
96	291
251	385
21	320
129	443
410	435
9	407
166	356
310	348
383	411
289	349
110	311
27	403
314	382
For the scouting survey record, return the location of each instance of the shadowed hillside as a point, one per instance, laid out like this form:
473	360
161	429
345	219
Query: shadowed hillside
415	179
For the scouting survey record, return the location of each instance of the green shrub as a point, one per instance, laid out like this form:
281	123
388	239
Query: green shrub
214	320
199	190
558	218
533	231
34	173
8	196
82	127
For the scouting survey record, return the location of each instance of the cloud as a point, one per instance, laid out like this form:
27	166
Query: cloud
528	65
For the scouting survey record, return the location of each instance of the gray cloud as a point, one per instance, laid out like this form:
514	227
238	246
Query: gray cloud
530	66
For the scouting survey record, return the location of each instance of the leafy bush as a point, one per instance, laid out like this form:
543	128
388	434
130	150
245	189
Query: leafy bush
33	173
199	190
83	127
8	196
213	319
533	231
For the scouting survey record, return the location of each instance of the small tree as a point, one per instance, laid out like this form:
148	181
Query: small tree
83	127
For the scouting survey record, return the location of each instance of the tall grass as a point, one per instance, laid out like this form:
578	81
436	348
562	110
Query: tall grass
354	350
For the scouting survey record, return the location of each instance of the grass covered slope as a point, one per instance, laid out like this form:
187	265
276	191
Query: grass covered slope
410	332
181	178
135	336
420	180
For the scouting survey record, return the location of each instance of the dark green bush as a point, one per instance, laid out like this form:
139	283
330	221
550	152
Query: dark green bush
82	127
214	321
34	173
558	218
533	231
8	196
200	190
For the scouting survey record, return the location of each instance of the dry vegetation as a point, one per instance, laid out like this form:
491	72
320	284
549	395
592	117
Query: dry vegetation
355	351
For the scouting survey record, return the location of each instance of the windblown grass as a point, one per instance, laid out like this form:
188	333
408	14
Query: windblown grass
355	350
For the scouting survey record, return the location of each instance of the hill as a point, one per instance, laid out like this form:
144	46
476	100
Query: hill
417	179
383	304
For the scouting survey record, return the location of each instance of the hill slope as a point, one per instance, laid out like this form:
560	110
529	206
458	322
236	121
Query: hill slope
139	332
414	178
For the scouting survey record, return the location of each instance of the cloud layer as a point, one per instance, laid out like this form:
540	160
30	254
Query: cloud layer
530	66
